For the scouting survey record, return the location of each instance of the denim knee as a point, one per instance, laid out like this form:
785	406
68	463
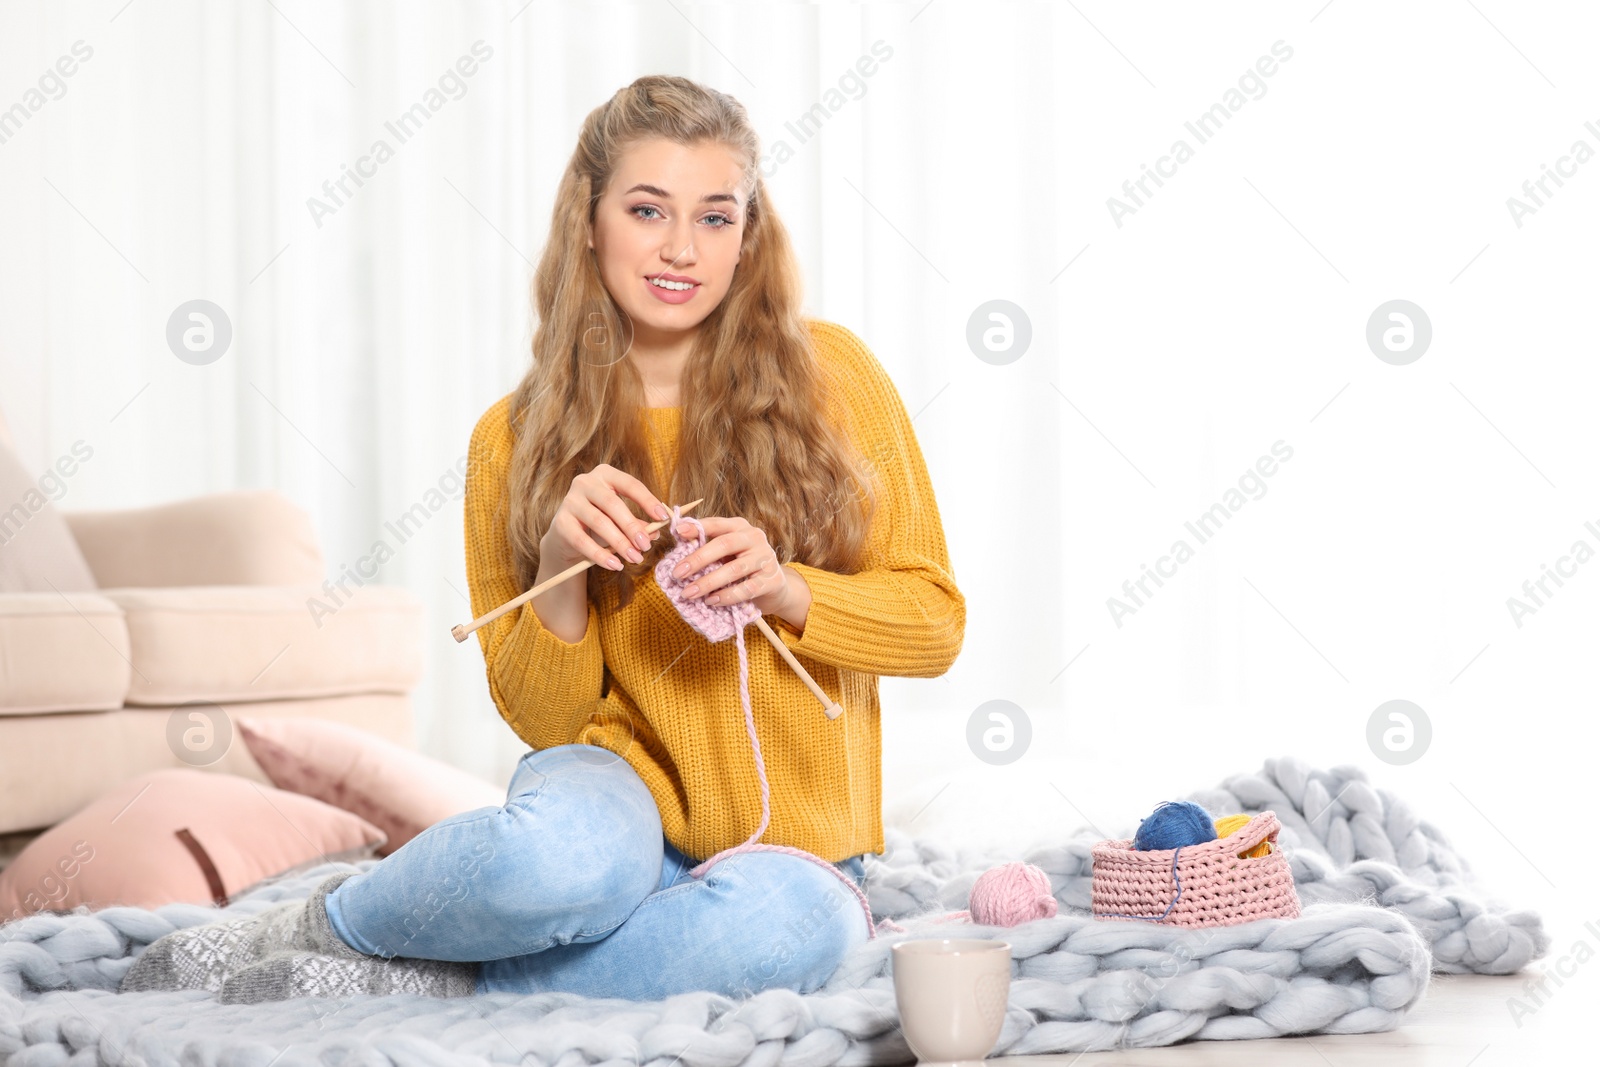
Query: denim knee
802	923
587	809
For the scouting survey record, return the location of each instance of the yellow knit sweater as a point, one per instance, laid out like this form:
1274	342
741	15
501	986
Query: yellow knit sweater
672	709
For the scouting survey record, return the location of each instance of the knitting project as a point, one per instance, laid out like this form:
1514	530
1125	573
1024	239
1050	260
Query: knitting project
718	622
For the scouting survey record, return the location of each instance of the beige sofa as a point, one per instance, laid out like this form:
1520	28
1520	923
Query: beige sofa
204	605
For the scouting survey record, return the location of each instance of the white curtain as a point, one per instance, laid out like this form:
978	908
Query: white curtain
198	154
960	153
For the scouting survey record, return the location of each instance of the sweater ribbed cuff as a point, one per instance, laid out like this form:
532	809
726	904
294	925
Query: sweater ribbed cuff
864	622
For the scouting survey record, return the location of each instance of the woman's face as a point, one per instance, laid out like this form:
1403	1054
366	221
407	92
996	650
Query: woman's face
676	211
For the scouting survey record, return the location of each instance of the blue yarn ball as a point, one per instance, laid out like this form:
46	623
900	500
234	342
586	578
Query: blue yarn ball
1175	824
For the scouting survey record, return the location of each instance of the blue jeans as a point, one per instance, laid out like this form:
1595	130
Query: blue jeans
572	886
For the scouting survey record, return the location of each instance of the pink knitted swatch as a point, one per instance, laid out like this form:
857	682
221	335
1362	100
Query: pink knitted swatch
718	622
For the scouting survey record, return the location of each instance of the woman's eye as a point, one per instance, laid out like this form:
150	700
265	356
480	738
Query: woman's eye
723	221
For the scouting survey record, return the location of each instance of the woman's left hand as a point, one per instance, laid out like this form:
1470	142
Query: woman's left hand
749	571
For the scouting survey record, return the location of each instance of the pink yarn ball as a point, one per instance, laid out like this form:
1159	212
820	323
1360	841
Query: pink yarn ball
1010	894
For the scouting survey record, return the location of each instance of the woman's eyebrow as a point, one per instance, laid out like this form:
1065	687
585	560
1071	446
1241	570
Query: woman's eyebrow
709	198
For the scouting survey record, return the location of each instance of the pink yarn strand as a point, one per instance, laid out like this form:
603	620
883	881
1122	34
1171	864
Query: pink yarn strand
718	623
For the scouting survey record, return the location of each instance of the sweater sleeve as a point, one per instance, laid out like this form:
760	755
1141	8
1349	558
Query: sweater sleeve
901	613
544	687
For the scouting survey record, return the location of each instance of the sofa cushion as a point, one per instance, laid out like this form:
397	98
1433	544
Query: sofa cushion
239	537
62	652
37	552
178	834
52	765
398	790
243	642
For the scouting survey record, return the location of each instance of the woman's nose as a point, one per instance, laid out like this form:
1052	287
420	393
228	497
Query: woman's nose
679	247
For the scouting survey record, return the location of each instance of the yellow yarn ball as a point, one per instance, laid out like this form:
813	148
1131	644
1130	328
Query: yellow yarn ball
1229	823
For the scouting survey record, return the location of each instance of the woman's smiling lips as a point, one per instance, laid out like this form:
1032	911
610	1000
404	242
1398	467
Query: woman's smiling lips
672	296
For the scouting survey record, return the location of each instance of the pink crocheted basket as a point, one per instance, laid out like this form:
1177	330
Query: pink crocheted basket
1213	884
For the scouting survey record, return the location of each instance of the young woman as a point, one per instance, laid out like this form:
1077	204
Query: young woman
670	363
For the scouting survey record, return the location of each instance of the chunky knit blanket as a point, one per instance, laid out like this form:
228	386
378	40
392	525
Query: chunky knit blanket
1386	901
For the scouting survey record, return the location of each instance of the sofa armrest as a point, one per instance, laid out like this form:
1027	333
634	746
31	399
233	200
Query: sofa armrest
242	537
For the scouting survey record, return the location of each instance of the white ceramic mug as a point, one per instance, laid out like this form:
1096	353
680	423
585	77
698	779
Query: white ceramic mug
952	997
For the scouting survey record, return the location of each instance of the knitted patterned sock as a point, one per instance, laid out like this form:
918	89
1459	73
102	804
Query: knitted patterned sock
202	957
287	974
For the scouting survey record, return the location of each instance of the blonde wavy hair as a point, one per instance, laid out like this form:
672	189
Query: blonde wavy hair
753	441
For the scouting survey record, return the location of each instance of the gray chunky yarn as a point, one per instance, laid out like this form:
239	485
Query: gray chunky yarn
1345	966
1345	840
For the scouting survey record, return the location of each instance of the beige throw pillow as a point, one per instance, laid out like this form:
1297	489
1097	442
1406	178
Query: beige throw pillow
37	552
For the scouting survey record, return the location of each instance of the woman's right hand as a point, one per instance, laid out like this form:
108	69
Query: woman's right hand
595	506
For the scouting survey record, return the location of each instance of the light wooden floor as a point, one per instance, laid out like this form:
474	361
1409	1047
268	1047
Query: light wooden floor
1463	1020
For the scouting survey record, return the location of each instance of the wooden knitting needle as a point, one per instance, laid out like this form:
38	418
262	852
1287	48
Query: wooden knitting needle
828	705
460	633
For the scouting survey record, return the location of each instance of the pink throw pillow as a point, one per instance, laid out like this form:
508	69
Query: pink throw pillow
178	834
399	791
